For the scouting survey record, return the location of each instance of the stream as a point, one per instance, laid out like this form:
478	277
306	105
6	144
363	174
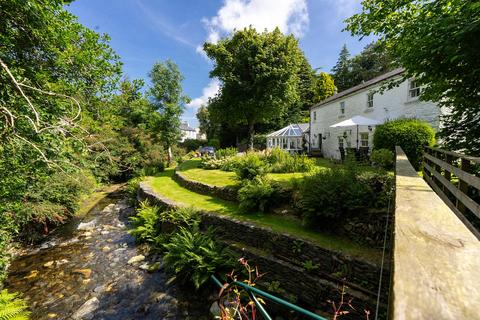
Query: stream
92	269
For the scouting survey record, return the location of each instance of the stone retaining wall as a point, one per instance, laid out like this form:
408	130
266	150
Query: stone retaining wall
283	257
225	193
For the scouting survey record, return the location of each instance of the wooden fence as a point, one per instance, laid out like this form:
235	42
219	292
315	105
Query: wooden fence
436	258
451	176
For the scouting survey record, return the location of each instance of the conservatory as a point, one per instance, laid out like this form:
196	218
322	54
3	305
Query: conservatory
291	138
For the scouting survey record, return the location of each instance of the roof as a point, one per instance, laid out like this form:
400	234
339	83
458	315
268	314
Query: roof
185	127
292	130
361	86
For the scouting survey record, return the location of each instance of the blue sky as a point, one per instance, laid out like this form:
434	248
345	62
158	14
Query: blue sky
145	31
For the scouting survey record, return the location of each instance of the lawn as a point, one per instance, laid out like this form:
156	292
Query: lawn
167	187
191	170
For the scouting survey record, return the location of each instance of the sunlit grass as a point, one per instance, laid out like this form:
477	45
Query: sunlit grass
167	187
191	170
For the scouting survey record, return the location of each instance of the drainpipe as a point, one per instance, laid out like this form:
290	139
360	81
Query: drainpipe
310	134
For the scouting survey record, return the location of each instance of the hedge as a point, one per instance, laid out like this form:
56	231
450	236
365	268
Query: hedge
410	134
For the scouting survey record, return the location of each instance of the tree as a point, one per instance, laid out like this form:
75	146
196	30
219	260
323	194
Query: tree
206	126
259	75
373	61
341	72
56	76
166	94
437	43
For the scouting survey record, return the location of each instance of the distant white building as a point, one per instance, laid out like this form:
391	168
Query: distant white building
200	136
364	100
292	138
187	132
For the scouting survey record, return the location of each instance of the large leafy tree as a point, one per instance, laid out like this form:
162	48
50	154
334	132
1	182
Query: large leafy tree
166	94
313	87
437	43
54	74
259	76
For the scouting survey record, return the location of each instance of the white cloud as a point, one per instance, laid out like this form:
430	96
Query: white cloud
290	16
208	92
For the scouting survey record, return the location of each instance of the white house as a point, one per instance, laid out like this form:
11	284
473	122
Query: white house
187	132
365	100
292	138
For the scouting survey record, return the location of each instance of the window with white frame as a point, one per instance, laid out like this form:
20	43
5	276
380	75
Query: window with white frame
413	89
370	100
364	139
342	108
314	115
340	142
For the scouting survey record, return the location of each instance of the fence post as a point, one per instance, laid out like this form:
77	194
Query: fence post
462	185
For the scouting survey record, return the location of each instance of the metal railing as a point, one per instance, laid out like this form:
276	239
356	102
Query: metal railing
253	292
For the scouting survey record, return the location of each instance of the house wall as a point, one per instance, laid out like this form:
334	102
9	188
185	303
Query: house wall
392	104
188	134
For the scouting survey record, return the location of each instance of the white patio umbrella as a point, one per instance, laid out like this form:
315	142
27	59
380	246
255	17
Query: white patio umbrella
356	121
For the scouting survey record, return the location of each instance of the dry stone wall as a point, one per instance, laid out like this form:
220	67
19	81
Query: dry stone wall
282	257
225	193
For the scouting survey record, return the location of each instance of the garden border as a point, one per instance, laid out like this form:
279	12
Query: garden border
280	249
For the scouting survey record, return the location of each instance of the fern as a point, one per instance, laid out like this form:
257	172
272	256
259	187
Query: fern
12	307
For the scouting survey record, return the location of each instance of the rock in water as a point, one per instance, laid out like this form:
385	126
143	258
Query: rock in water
85	312
86	273
87	225
136	259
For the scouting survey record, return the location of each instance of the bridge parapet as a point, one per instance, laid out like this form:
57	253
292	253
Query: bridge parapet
436	258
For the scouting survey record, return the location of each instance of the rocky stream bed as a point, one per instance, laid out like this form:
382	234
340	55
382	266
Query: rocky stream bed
92	269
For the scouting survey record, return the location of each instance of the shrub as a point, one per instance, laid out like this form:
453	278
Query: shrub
145	223
257	194
328	194
231	164
4	255
295	163
250	166
193	256
381	184
180	216
276	155
383	158
410	134
225	153
214	143
212	163
132	188
12	307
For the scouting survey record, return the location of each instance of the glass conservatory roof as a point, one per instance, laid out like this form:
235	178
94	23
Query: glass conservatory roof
292	130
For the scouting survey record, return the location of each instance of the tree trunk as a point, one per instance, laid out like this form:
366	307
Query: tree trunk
251	133
170	156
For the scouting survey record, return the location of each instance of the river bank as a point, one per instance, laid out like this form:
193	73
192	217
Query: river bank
92	269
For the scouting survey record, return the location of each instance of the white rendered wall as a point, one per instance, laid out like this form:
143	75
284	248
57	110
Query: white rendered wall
392	104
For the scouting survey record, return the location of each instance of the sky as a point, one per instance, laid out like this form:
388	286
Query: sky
145	31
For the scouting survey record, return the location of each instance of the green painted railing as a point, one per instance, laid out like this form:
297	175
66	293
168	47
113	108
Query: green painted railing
253	292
